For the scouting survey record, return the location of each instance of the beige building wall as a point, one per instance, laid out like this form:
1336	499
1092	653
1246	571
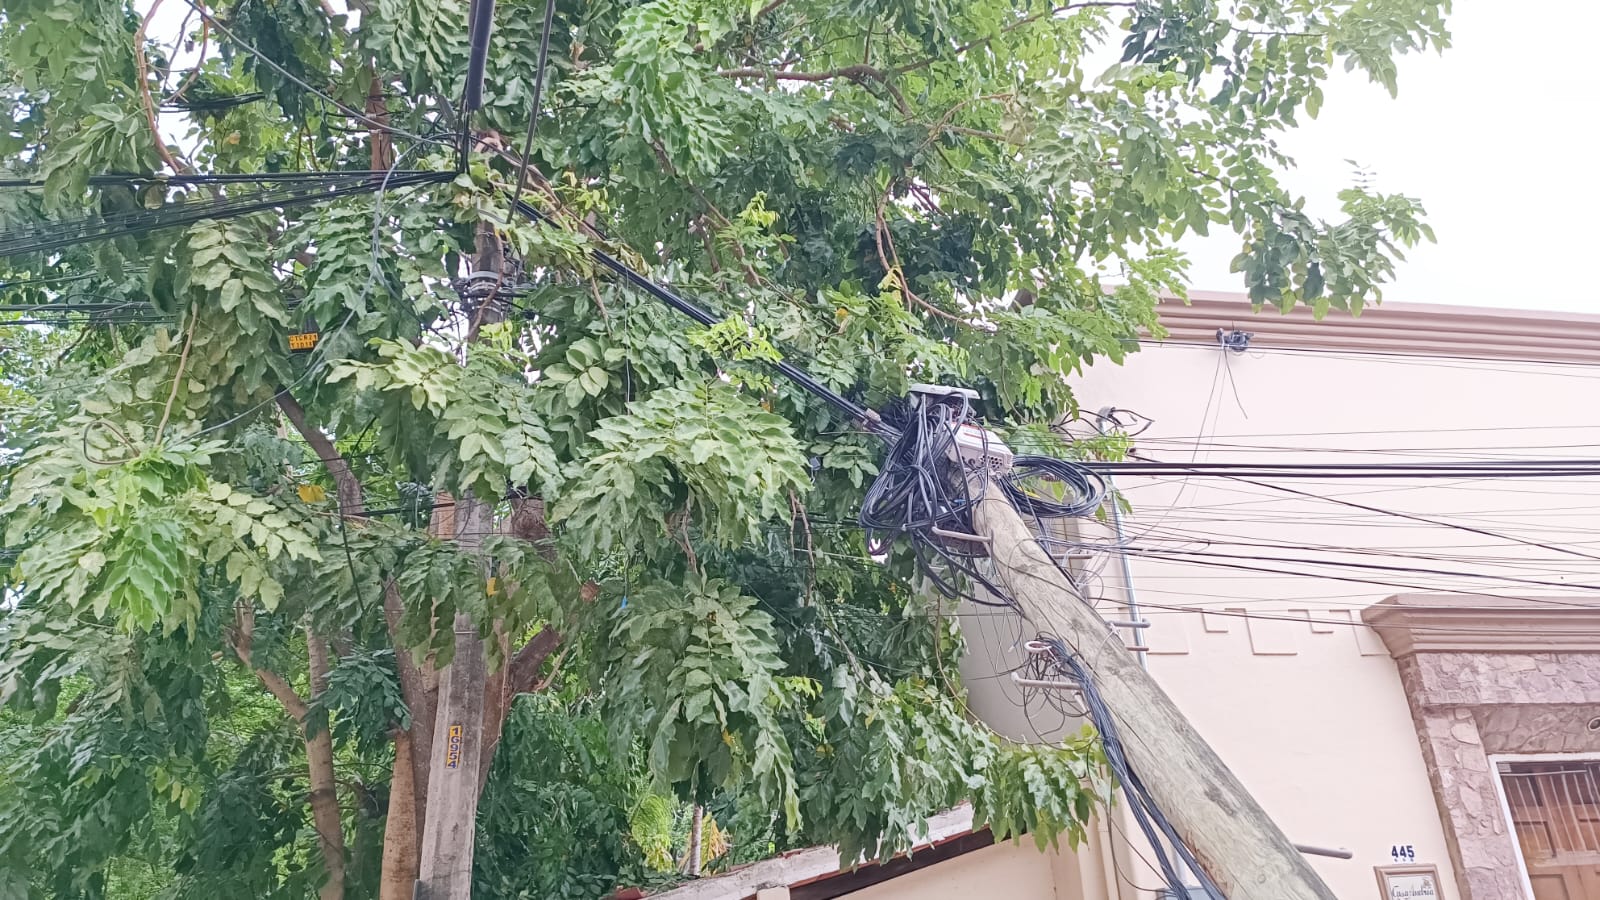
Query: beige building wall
1308	708
1010	870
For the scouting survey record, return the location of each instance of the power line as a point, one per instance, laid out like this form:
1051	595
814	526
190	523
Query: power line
1390	431
299	82
1342	564
1549	468
54	235
1555	548
1522	563
538	96
802	379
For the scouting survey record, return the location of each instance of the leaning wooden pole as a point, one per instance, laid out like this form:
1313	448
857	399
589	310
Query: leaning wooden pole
1234	841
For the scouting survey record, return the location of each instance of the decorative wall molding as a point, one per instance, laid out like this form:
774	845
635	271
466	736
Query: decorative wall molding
1412	623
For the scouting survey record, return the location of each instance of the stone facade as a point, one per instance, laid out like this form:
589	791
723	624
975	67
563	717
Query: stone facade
1470	700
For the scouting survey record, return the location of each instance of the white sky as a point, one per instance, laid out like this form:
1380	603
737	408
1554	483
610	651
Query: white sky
1495	137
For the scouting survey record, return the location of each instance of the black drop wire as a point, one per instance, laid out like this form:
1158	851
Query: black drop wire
1146	813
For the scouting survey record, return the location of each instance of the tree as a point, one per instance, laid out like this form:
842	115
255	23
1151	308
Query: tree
233	585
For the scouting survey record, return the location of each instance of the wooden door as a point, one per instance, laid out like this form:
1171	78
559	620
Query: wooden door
1556	810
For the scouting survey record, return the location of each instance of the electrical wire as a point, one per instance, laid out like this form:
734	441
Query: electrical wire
1157	829
799	377
299	82
1544	468
1337	564
1423	360
44	237
480	23
1556	548
914	497
538	97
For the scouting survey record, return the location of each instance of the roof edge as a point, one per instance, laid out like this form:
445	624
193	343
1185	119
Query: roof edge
807	866
1409	329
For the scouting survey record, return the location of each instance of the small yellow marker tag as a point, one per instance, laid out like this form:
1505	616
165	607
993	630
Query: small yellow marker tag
493	585
303	341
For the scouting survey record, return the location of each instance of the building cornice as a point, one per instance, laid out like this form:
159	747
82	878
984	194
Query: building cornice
1393	328
1452	623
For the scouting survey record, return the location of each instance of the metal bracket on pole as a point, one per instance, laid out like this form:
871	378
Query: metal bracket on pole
1335	853
1047	684
960	535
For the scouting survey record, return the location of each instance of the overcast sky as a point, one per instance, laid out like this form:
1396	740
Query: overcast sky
1495	136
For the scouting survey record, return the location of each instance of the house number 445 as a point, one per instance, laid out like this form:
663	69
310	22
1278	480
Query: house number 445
1403	853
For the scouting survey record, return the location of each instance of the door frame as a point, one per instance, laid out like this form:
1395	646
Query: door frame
1505	805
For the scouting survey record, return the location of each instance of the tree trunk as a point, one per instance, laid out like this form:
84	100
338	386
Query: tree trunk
496	703
325	814
418	687
401	850
696	834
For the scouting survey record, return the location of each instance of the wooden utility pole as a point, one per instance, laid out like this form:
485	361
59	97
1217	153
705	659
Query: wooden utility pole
1231	836
453	785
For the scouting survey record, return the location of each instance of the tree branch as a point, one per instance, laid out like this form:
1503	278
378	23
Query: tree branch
143	66
524	667
860	74
199	65
973	45
177	378
241	640
348	488
897	272
768	8
324	797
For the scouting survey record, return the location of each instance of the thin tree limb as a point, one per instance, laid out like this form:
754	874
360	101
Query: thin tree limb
177	379
241	640
143	66
861	74
769	8
973	45
199	65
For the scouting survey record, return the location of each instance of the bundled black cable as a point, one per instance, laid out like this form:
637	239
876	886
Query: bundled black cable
1082	489
1155	826
934	476
921	494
